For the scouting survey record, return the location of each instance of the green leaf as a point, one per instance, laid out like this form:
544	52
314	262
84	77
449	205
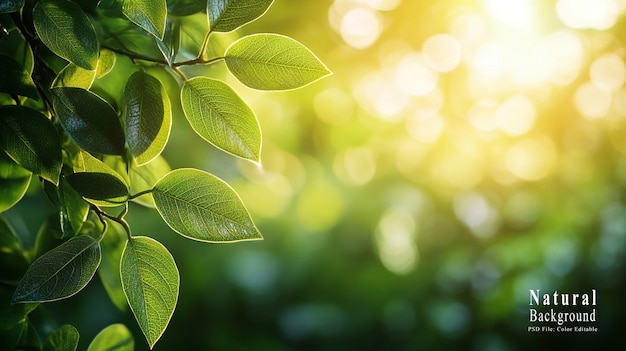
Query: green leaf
99	186
7	6
147	14
13	321
60	272
66	30
31	140
171	40
62	339
221	117
74	76
14	181
185	7
48	236
147	117
115	337
15	45
106	62
145	177
273	62
13	263
193	30
84	162
228	15
73	209
89	120
151	282
109	271
14	79
202	207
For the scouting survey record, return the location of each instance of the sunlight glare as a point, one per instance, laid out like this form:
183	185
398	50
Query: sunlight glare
592	14
360	28
514	13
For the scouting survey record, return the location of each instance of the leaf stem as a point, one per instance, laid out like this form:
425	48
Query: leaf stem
118	219
135	56
197	61
132	197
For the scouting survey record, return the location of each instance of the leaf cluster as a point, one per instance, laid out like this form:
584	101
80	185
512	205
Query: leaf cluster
94	146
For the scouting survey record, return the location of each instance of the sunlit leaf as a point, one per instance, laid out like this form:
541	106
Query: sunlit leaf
14	181
202	207
273	62
147	116
61	272
73	209
115	337
85	162
151	281
221	117
62	339
7	6
89	120
66	30
15	80
147	14
106	62
228	15
145	177
109	270
31	140
99	186
74	76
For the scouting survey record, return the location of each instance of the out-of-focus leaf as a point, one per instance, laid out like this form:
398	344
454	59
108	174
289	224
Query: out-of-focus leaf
73	209
202	207
62	339
89	120
14	181
30	139
99	187
221	117
147	116
109	271
48	236
61	272
185	7
193	29
151	283
115	337
149	15
66	30
7	6
13	321
145	177
273	62
228	15
14	79
106	62
171	40
13	263
14	45
74	76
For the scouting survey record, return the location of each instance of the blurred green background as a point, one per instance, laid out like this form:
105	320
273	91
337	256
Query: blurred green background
463	153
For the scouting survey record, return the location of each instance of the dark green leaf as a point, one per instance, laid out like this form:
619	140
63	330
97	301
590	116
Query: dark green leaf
13	263
14	45
48	236
7	6
149	15
30	139
228	15
14	181
115	337
151	282
99	186
84	162
202	207
61	272
62	339
89	120
64	28
74	76
73	209
171	40
109	271
147	116
13	321
185	7
15	80
221	117
273	62
145	177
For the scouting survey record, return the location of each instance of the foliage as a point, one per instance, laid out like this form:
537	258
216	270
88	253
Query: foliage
94	146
